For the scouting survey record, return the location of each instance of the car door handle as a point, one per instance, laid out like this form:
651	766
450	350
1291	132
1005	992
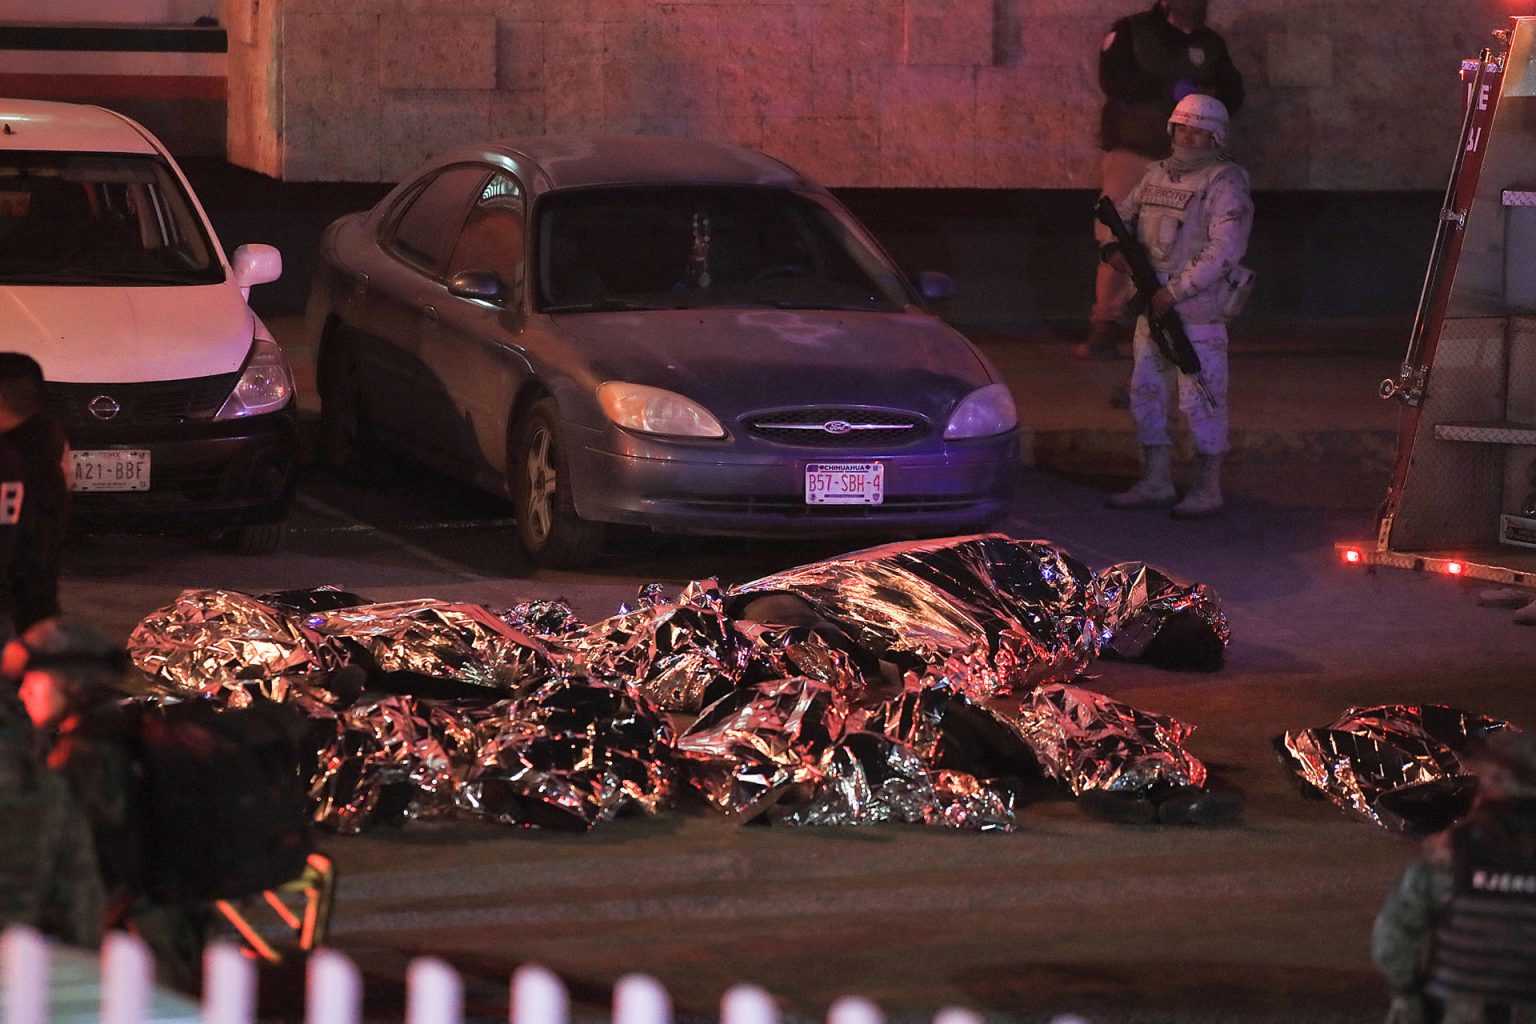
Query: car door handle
430	312
360	284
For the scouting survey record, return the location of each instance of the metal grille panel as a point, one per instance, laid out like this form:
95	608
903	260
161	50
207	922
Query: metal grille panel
170	401
838	427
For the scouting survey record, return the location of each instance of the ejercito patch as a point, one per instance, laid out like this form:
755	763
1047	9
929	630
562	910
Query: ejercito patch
1161	195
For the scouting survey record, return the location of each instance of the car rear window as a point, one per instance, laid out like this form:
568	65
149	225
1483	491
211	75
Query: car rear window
99	219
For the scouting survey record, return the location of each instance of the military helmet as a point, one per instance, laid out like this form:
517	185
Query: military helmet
1197	110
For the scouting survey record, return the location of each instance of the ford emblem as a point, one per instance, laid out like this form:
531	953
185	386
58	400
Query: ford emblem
837	426
104	407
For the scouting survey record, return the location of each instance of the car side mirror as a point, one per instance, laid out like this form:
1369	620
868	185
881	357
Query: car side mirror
256	264
934	286
481	285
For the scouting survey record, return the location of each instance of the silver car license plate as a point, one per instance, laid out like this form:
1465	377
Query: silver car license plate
109	469
845	483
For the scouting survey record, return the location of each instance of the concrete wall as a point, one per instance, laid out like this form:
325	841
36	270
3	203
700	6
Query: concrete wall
1343	94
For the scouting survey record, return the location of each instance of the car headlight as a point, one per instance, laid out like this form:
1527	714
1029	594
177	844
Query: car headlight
983	413
265	386
654	411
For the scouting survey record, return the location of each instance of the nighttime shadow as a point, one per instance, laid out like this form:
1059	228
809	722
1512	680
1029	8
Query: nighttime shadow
1171	991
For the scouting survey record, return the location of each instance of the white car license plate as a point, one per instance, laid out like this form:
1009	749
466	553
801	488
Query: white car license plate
109	469
845	483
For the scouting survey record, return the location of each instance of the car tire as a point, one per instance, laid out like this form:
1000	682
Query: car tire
259	539
551	532
347	440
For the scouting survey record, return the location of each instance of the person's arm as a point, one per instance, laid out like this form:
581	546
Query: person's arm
1121	76
1229	224
1403	925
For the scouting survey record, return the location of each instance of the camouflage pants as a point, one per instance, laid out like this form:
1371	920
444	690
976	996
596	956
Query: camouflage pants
1156	384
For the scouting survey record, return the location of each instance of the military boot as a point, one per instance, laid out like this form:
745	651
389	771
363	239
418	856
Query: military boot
1155	488
1204	499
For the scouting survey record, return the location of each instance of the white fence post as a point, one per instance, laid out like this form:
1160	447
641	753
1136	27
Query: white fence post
25	960
334	990
747	1004
854	1010
640	999
434	993
127	979
229	985
538	997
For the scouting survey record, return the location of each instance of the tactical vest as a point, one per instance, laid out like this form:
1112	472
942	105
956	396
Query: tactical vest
1485	940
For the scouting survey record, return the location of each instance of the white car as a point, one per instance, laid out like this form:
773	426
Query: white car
178	403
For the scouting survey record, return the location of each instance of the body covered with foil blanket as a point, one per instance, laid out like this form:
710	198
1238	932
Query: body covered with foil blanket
1091	742
221	644
1151	615
795	751
672	650
1018	613
568	754
1400	766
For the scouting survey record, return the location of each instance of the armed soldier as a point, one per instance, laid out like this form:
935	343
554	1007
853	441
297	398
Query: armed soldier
1192	213
1149	62
1460	927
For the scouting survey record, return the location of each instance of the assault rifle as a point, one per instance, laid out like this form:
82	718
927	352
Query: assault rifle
1167	330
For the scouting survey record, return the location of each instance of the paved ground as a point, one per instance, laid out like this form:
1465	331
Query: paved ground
1263	921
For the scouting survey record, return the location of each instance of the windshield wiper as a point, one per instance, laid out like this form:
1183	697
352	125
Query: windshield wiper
845	307
605	306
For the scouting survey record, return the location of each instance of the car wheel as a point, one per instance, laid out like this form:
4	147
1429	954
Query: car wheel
260	539
551	532
347	439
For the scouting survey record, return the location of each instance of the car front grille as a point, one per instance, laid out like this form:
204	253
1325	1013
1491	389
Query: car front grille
151	402
838	428
781	505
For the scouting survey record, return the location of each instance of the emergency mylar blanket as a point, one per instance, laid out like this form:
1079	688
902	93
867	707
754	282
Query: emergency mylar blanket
1400	766
913	682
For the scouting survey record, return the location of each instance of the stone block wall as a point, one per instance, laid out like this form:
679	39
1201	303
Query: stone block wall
879	93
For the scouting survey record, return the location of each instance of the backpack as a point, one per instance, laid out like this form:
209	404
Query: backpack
225	810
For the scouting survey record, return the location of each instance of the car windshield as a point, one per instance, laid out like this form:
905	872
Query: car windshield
98	219
706	246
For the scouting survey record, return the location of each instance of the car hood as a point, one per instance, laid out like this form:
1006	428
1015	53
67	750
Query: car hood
736	360
127	335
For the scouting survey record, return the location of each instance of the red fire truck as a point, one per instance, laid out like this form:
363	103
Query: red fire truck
1462	496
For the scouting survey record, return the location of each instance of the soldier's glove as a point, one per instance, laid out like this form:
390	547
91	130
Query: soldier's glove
1407	1009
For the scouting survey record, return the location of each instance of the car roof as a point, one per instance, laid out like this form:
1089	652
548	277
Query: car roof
75	127
576	161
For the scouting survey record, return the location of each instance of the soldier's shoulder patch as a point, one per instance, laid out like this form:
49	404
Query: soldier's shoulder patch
11	494
1109	41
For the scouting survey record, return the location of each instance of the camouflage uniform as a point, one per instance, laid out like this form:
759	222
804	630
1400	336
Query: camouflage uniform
1404	931
95	750
49	877
1195	227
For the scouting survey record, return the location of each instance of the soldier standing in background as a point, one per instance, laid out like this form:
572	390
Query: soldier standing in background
1193	214
1147	64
